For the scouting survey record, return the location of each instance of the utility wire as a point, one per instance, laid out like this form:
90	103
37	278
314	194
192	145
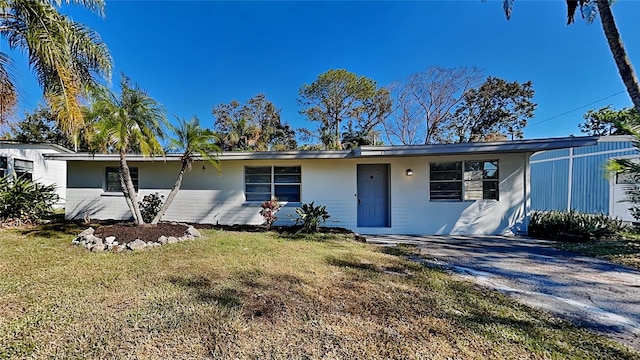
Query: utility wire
578	108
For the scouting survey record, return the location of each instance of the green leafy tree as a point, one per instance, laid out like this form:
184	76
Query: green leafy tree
495	107
130	120
40	125
607	121
66	56
590	9
343	101
254	126
193	141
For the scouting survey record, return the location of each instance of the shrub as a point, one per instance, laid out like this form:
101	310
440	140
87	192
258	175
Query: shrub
25	201
268	210
150	206
311	217
573	226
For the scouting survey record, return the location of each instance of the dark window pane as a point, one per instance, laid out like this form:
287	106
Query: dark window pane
258	188
24	175
3	162
287	179
288	193
258	196
446	190
112	180
257	179
446	175
286	170
258	170
446	166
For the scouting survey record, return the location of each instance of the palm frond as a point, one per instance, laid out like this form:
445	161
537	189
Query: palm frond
507	6
8	94
589	10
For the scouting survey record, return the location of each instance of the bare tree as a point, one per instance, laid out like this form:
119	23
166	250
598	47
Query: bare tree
405	125
429	97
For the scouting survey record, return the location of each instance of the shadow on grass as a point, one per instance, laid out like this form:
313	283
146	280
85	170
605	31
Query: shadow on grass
205	291
53	229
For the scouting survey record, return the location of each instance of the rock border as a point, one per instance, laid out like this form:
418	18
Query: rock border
88	240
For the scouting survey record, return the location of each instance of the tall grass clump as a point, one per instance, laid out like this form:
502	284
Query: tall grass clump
573	226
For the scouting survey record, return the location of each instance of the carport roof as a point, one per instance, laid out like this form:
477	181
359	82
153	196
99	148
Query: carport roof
498	147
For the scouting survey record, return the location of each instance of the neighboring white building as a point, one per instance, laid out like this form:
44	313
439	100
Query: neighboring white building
26	159
471	188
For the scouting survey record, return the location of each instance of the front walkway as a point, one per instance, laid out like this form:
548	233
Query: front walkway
594	293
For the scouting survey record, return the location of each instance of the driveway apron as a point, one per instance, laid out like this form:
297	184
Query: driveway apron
590	292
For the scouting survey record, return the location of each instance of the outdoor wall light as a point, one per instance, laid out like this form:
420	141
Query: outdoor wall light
409	172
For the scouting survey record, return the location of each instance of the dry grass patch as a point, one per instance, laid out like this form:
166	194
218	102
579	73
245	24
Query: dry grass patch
258	296
621	251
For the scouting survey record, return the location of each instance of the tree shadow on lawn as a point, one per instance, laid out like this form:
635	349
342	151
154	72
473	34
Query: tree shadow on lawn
253	293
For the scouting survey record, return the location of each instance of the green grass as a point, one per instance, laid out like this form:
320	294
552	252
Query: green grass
625	251
258	296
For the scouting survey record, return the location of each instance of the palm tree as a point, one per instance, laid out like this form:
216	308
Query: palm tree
66	56
589	9
130	121
192	140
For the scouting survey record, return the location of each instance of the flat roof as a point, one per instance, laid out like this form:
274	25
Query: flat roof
513	146
36	144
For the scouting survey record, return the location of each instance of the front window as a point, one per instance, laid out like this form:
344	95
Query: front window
264	182
112	178
3	166
464	180
23	168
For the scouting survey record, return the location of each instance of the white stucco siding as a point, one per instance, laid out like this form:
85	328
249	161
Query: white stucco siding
47	172
207	197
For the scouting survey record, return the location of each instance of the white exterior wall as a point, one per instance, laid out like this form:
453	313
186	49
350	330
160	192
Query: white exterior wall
47	172
206	197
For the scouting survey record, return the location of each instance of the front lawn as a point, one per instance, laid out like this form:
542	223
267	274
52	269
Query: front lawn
255	295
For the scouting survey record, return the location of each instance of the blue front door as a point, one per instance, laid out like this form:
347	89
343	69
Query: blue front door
373	195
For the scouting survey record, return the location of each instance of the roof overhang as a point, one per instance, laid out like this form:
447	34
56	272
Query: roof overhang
514	146
53	146
500	147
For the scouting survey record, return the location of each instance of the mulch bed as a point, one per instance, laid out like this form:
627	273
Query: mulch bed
127	232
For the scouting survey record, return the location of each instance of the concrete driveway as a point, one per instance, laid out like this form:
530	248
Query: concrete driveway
590	292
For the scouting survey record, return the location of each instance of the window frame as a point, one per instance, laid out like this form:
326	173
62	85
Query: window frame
274	183
463	181
22	171
110	169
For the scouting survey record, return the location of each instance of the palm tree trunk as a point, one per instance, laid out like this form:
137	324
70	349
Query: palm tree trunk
619	54
129	190
171	196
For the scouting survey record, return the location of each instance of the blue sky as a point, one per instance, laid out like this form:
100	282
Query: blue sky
192	55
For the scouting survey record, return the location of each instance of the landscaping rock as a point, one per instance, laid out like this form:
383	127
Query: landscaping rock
137	244
193	232
186	237
162	239
110	239
97	248
90	239
86	232
172	240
